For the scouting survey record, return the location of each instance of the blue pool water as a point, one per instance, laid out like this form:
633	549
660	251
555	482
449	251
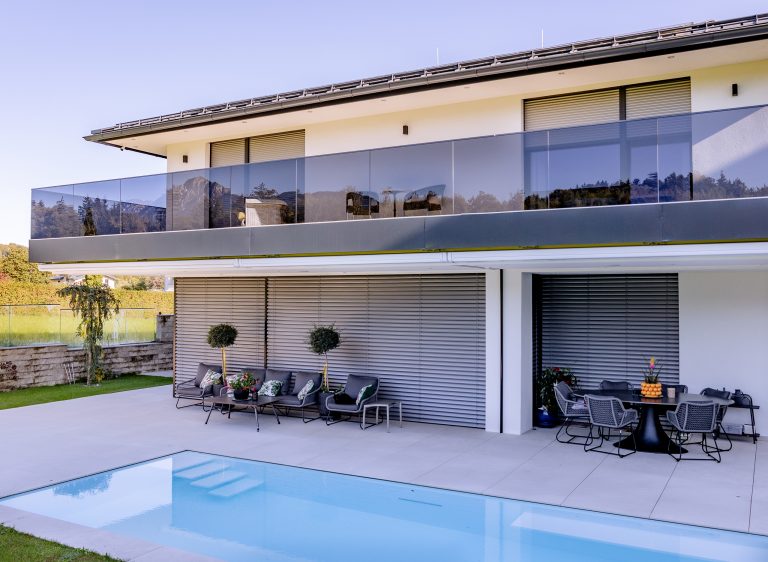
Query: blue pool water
244	510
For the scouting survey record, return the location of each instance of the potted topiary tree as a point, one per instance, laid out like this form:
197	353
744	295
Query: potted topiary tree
222	336
323	339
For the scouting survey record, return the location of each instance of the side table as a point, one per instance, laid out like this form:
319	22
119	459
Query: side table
386	404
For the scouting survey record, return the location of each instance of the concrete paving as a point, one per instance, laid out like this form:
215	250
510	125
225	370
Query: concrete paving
49	443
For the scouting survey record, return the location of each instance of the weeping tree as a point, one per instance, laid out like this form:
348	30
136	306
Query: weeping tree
323	339
93	303
222	336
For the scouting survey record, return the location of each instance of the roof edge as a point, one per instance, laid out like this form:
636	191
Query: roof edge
583	53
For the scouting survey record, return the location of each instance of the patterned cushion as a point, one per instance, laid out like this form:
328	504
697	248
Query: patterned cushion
365	393
211	377
270	388
306	389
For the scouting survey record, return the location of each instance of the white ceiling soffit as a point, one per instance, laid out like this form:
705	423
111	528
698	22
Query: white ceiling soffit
572	260
531	85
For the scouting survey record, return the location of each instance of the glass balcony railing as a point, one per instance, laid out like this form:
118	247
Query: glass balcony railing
38	324
709	155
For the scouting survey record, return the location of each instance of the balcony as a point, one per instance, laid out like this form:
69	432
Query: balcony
697	156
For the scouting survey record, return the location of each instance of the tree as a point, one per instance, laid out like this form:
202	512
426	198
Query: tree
222	336
323	339
93	303
15	265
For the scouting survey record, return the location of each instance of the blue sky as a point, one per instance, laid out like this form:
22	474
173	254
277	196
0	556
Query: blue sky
69	67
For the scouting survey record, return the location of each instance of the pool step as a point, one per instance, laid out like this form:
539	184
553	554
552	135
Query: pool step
200	471
238	487
219	479
189	460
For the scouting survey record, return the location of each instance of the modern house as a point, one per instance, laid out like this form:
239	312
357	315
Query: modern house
587	206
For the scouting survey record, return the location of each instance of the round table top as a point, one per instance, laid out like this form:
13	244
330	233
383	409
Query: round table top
634	397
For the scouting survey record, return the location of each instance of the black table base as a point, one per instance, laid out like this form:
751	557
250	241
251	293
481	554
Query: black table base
649	435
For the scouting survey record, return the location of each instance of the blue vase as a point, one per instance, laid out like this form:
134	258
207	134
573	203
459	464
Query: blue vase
545	419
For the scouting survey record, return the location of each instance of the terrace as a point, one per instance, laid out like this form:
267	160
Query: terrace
108	431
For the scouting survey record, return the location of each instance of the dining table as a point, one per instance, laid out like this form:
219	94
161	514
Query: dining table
649	434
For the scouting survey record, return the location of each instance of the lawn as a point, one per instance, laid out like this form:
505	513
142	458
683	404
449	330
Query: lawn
44	394
18	547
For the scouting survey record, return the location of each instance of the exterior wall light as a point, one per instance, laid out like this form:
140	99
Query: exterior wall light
734	89
405	129
184	158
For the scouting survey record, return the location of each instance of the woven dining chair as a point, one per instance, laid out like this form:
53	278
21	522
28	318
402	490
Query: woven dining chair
616	385
572	410
694	417
607	413
720	430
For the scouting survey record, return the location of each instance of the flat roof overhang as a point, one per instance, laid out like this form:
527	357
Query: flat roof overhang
586	229
588	53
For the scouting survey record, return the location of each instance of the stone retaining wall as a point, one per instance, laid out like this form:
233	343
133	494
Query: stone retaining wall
43	365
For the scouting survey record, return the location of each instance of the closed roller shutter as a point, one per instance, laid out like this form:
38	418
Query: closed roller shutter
201	303
279	146
663	98
228	153
422	335
572	110
607	326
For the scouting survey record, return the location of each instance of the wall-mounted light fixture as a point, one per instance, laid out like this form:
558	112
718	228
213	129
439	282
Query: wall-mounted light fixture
405	129
184	158
734	89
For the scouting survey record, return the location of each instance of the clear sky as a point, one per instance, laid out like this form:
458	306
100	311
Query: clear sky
69	67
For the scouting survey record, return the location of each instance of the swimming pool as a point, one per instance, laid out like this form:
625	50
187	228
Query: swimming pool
246	510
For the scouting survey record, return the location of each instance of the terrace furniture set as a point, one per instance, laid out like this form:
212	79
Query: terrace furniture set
296	390
604	412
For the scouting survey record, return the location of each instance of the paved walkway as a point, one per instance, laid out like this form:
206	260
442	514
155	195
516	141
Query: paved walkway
50	443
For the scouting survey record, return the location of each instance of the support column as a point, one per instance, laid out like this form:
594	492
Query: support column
493	351
517	356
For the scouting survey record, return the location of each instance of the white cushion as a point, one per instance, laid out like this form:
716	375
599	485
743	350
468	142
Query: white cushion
211	377
306	389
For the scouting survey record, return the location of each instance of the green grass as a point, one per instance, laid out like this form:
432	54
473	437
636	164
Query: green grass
19	547
45	394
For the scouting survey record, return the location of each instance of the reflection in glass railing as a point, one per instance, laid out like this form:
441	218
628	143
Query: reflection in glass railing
708	155
53	324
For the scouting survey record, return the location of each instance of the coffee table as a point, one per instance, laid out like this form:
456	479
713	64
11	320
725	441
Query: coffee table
232	404
649	435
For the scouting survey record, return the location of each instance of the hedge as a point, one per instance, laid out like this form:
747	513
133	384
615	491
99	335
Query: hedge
14	292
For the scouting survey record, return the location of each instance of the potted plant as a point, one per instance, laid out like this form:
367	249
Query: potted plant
547	413
222	336
241	385
651	387
323	339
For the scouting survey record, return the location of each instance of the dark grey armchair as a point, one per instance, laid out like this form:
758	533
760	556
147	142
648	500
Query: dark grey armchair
292	401
189	388
353	386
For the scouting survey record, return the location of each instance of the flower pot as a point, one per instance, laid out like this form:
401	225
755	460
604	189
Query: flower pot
544	418
241	394
650	390
321	405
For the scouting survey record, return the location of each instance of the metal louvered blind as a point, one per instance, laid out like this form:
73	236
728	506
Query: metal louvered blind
571	110
228	153
607	326
279	146
663	98
201	303
422	335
